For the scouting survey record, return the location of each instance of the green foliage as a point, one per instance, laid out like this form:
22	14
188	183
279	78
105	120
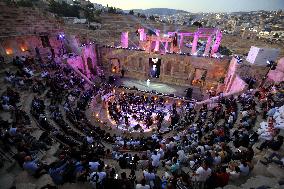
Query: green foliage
90	6
89	14
25	3
131	12
225	51
10	2
143	16
112	10
64	9
152	18
276	35
98	12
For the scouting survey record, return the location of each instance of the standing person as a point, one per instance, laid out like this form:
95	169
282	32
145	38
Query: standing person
132	177
143	185
122	72
155	159
202	174
124	183
244	168
148	82
149	176
222	177
97	178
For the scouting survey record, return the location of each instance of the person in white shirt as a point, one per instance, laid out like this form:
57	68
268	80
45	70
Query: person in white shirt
155	159
96	178
202	174
90	139
216	158
149	176
201	148
94	166
142	185
244	168
234	174
181	156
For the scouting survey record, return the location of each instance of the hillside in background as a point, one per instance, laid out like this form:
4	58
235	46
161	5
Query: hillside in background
159	11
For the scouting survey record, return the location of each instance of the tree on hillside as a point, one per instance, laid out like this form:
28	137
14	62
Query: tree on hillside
152	18
89	14
25	3
198	24
112	10
225	51
131	12
90	6
64	9
143	16
98	12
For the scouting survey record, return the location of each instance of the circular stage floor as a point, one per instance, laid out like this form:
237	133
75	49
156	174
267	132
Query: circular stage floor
159	87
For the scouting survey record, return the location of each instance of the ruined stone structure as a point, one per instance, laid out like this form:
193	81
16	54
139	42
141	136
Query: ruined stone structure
213	37
175	69
22	29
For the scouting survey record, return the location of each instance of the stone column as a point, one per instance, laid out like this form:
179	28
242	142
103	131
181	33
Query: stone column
194	43
124	39
181	41
142	34
166	46
208	45
157	46
217	42
148	44
172	47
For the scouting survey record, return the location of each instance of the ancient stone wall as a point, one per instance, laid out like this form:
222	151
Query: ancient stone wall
175	69
22	28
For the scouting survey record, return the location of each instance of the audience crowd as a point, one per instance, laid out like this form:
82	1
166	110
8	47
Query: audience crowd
207	147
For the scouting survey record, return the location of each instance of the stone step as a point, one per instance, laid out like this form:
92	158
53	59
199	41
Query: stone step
6	181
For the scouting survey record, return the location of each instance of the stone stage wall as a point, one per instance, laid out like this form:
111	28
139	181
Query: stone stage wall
175	69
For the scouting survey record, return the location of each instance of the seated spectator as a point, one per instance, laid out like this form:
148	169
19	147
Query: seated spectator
56	172
275	158
97	178
244	168
272	144
94	166
234	173
202	174
124	183
149	176
222	177
33	167
155	159
142	185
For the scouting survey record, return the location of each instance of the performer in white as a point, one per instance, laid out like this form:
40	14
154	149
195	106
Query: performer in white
148	82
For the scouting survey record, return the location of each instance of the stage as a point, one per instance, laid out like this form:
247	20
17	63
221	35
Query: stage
159	87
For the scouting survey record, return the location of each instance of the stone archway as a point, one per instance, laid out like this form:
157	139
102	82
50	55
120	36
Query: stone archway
115	65
91	67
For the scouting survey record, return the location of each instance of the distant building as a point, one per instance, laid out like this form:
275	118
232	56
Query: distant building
79	21
98	6
66	1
